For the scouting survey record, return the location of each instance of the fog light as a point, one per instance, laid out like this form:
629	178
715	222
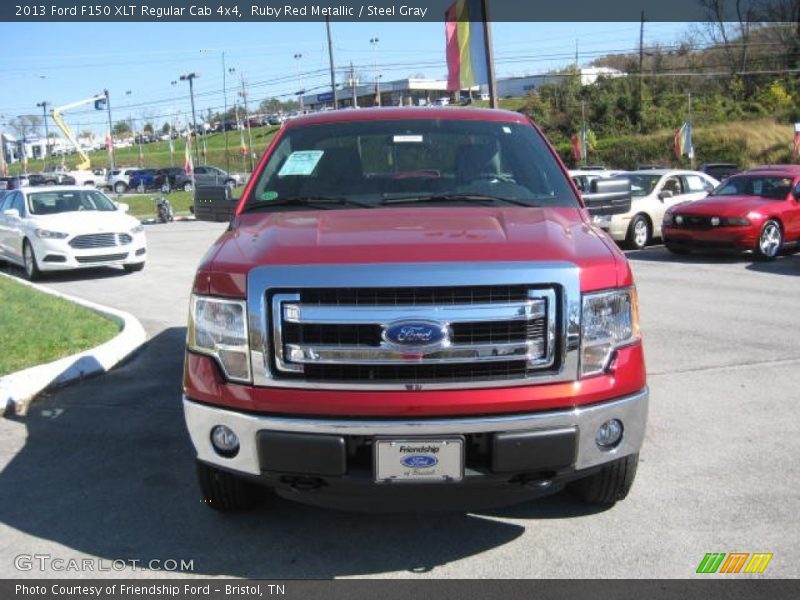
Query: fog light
715	221
609	434
225	442
679	220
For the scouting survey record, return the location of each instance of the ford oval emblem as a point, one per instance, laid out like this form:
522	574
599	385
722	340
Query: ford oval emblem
415	333
419	461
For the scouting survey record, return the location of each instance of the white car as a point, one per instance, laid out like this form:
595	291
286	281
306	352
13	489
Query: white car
60	228
653	191
119	180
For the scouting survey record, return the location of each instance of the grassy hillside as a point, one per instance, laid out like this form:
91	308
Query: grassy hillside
157	154
746	143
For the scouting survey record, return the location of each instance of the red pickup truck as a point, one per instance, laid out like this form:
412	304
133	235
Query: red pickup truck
411	309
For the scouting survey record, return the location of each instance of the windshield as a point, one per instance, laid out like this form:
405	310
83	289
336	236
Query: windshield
642	185
389	162
773	187
55	202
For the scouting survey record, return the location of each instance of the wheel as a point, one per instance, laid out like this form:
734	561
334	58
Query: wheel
639	233
134	267
609	485
120	187
225	492
677	249
769	241
165	188
230	184
32	272
187	187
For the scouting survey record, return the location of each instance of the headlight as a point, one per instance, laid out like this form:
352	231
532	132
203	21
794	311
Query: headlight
610	320
218	328
735	222
137	229
50	235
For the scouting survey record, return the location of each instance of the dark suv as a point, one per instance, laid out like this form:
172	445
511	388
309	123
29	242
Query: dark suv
165	178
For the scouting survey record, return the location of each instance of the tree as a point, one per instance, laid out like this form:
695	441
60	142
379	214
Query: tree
148	128
25	125
734	38
121	128
166	128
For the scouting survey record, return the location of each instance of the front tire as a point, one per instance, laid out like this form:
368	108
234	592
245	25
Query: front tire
225	492
166	188
639	233
120	188
770	240
610	485
187	187
32	272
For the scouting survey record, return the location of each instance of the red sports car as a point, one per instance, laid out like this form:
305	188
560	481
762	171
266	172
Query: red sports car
757	210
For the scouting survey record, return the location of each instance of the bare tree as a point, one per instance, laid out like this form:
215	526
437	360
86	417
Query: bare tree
25	126
733	36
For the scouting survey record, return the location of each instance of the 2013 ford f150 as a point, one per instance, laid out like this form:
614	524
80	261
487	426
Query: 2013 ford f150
411	308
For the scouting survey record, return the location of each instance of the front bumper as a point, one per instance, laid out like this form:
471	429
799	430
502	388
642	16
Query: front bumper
734	239
58	255
355	478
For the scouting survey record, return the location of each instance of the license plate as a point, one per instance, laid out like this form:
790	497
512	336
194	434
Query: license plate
419	460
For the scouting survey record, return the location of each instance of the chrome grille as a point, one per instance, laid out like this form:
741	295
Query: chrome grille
493	333
100	240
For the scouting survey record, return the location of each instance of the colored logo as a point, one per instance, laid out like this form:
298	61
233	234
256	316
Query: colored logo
734	562
419	461
415	333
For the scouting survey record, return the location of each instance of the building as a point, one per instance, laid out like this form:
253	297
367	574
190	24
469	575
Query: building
401	92
512	87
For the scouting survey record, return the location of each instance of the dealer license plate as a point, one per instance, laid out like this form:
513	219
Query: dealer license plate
419	460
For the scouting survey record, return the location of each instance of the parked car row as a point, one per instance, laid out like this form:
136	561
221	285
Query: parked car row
756	210
168	179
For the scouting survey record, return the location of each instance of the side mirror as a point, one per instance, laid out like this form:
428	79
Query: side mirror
123	207
664	194
11	212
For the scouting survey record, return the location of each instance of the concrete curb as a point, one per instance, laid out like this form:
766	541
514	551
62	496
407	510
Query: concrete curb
17	390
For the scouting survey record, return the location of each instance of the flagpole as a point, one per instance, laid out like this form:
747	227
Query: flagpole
487	29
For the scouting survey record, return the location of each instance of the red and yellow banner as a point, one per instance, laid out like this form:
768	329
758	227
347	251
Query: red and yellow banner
465	45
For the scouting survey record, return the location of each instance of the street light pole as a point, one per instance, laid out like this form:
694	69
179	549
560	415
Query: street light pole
374	41
225	113
190	78
330	59
43	105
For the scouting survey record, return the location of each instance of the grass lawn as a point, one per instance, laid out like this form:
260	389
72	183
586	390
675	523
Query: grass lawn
36	328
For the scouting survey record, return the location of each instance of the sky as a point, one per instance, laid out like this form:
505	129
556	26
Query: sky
137	62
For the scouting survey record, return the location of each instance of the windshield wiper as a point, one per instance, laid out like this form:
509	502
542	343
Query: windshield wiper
310	201
455	198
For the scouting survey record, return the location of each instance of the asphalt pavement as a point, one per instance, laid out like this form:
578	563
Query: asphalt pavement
103	468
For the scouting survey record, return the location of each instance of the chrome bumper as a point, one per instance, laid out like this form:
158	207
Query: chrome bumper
631	410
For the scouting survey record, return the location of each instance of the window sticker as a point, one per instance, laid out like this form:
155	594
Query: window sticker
506	129
407	139
302	162
269	195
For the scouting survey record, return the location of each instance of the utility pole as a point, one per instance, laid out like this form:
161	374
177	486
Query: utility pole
190	77
3	168
111	158
330	59
487	28
691	141
43	105
353	82
225	113
247	118
584	135
641	70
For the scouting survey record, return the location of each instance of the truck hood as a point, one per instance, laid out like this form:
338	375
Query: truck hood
411	235
724	206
